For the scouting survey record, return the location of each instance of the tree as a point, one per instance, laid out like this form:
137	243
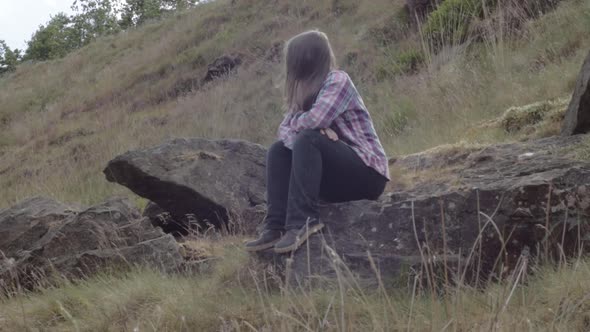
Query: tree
93	18
8	58
53	40
137	12
179	4
63	33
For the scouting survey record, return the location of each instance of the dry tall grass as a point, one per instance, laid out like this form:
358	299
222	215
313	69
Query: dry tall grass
234	294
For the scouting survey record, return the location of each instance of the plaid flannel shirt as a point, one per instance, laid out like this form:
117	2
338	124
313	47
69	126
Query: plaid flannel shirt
339	107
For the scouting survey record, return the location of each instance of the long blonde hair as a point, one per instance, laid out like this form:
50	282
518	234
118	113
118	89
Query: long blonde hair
308	60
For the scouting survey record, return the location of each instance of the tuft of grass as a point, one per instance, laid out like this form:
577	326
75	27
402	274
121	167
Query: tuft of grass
581	151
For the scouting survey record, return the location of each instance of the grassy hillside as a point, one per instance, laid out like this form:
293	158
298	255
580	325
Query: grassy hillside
61	121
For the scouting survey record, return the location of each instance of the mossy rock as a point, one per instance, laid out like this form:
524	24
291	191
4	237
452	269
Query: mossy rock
537	117
537	120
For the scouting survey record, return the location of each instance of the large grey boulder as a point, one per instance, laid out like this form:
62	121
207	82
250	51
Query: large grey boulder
44	237
477	207
577	117
199	182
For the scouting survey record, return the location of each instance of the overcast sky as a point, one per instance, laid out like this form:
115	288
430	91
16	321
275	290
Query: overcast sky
20	18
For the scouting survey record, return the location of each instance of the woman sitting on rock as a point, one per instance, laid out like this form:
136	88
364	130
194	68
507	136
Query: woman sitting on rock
328	148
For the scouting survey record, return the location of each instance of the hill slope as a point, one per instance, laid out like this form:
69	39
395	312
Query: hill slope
61	121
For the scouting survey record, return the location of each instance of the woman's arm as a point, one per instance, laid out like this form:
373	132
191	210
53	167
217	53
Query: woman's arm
332	101
285	132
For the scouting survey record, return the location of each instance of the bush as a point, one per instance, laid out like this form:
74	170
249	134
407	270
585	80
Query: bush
449	23
410	61
54	40
407	62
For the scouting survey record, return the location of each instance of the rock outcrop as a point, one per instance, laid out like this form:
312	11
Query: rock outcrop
495	203
577	117
41	237
201	183
476	207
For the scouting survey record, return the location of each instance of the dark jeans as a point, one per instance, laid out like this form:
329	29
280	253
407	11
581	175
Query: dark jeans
317	168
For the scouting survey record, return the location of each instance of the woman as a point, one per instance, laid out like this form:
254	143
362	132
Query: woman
327	147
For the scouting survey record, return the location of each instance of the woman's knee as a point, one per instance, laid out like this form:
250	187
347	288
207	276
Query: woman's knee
307	137
277	149
277	146
378	188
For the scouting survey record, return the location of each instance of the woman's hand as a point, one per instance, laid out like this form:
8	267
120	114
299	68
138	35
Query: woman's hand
330	133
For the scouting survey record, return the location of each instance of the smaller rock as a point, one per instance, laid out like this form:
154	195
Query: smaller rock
222	66
577	117
28	221
41	237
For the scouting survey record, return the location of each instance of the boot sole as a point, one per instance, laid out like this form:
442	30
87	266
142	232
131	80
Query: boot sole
263	246
300	240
